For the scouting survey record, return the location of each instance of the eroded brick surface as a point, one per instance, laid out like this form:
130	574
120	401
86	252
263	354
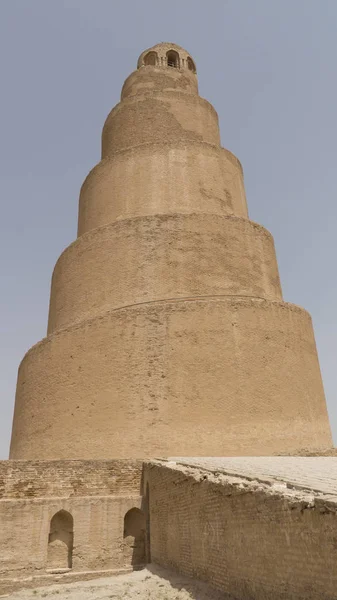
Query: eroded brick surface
68	478
311	473
236	524
94	498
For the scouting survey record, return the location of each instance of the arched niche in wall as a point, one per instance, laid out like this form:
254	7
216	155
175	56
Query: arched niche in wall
60	541
134	536
191	65
172	58
151	58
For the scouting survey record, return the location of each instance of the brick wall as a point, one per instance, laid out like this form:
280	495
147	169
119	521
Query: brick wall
248	542
98	533
50	478
97	494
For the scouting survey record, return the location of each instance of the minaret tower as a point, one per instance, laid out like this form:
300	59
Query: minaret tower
167	333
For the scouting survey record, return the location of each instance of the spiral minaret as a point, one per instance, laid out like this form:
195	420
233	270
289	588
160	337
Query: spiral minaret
167	331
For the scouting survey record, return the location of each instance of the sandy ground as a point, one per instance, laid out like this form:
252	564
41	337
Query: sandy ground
152	583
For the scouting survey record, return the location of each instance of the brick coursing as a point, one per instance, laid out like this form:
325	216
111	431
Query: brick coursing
68	478
246	541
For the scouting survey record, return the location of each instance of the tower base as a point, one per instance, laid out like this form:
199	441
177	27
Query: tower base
145	377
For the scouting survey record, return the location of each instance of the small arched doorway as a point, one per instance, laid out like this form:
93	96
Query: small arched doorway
134	536
60	541
172	59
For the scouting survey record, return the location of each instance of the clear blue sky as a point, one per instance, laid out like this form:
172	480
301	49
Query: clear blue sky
269	69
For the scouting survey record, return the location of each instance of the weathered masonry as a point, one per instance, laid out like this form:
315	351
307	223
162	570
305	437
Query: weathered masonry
167	330
263	529
168	335
74	519
256	528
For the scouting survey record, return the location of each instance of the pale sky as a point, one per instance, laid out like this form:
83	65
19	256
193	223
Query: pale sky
269	69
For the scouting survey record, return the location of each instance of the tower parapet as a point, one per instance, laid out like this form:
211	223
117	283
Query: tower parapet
167	55
167	331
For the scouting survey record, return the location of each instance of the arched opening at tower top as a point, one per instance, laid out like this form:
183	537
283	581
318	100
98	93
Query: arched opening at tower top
151	59
172	59
191	65
60	541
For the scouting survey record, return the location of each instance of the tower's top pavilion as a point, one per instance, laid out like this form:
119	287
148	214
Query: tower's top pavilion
166	54
163	68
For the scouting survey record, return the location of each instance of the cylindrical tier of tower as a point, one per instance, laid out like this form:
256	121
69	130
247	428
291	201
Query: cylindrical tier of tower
230	376
167	332
184	177
162	257
159	117
151	78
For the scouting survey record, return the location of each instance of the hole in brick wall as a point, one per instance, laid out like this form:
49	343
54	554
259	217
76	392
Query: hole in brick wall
134	535
60	542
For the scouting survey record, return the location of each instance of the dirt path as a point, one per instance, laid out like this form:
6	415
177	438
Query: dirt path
153	583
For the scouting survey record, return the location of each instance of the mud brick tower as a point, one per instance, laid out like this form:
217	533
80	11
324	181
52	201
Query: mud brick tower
167	333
